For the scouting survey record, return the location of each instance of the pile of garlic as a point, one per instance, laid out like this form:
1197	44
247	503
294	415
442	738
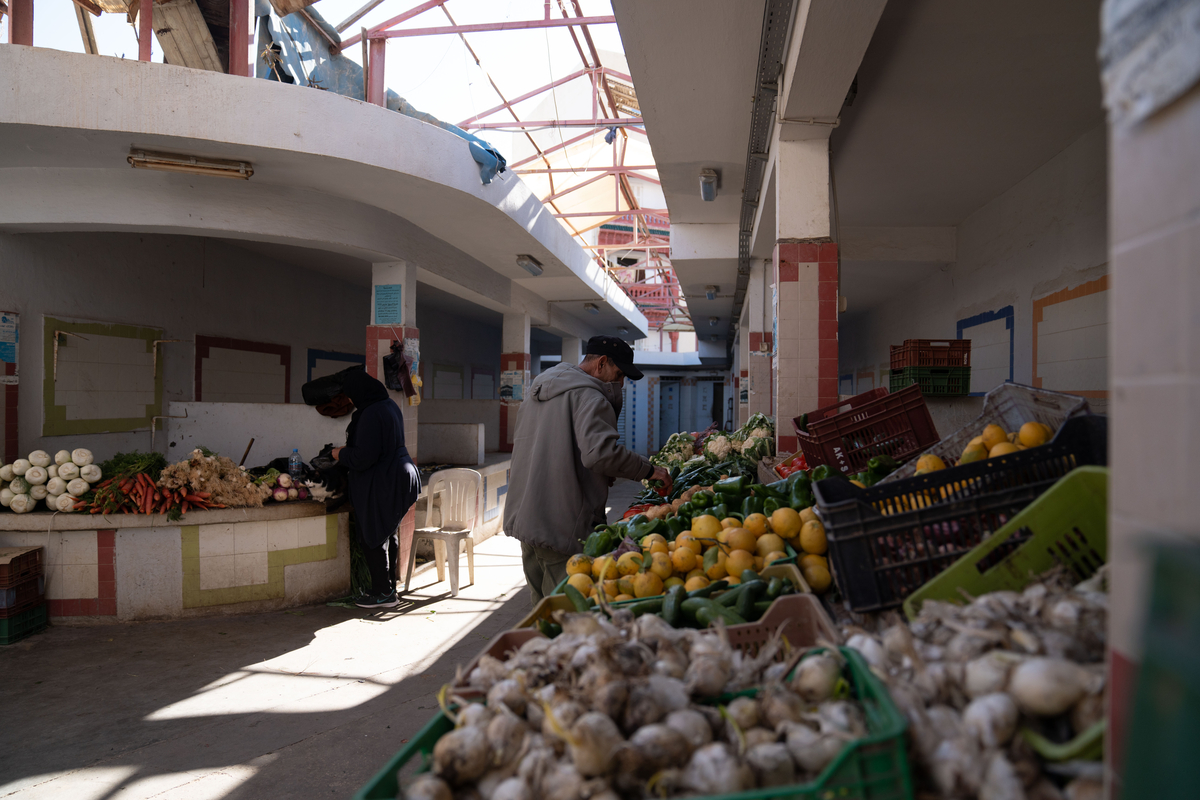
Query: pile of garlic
610	710
969	677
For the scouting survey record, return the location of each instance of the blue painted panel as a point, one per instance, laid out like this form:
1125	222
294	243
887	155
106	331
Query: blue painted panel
1005	314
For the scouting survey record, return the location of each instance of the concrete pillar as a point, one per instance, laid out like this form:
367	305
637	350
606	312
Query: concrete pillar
572	350
805	277
394	318
20	22
687	406
145	19
514	375
760	344
376	91
240	20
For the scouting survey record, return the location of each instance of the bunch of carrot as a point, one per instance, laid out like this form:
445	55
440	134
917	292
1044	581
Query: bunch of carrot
138	494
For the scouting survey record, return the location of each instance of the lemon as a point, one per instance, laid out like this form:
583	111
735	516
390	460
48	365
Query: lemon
657	547
731	522
818	578
672	581
974	452
769	543
625	585
579	565
976	440
756	524
1003	449
698	572
738	561
771	558
706	526
696	582
629	563
1032	434
660	565
611	588
739	539
807	515
606	563
811	560
686	539
622	597
647	584
683	560
652	539
786	522
993	435
732	580
758	563
812	538
581	582
930	463
1049	431
717	570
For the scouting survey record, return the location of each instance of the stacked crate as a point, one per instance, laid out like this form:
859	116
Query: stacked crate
940	367
23	610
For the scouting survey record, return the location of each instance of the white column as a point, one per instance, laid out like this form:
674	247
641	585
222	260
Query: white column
514	375
572	350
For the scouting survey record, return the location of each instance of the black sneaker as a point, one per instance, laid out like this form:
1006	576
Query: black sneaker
378	601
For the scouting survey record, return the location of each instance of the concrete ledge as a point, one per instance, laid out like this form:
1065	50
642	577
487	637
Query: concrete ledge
458	443
43	521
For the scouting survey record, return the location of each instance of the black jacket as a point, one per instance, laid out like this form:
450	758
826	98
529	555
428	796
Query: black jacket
384	482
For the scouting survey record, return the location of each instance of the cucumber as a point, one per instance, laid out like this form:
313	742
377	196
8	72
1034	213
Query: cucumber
775	587
549	629
672	603
749	596
651	606
727	599
577	599
750	575
707	591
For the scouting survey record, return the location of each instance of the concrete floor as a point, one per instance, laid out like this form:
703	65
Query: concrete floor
309	702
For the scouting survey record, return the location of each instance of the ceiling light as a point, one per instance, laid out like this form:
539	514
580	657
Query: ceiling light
712	338
592	308
712	321
708	184
191	165
710	292
623	330
530	265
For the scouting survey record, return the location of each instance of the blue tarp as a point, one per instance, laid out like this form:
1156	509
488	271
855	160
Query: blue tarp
291	50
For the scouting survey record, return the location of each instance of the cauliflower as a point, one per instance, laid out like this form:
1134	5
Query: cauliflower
718	448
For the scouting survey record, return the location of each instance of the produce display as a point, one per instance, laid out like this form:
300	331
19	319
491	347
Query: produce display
696	457
631	707
997	688
59	482
991	442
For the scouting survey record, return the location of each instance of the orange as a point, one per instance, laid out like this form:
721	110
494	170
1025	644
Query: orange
660	565
740	539
629	563
737	561
1032	434
717	570
581	582
992	436
621	597
651	539
706	526
579	565
731	580
813	560
647	584
683	560
769	543
658	547
758	563
808	515
786	522
696	582
818	578
605	563
674	580
756	524
771	558
625	585
698	572
686	539
731	522
1003	449
812	538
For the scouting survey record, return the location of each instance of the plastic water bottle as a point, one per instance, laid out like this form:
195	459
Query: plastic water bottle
295	465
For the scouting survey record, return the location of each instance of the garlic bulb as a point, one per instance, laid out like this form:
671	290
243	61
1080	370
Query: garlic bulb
991	719
1046	687
461	755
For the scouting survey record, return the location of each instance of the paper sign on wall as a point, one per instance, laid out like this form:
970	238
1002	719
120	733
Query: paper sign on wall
512	385
9	336
389	304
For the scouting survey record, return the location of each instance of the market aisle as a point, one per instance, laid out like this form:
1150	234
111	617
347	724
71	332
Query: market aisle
620	497
302	703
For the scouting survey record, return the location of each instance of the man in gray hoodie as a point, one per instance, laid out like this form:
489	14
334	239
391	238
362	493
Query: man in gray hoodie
565	456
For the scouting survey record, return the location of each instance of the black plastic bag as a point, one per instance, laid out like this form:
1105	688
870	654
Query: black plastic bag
396	371
321	390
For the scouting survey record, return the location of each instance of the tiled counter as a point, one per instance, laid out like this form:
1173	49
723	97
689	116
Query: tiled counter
132	567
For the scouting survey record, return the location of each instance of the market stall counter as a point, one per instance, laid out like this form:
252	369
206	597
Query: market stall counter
125	567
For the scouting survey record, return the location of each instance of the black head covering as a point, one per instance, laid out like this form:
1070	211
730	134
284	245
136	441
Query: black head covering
363	390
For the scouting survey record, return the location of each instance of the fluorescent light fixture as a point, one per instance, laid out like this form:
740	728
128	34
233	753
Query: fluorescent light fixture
592	308
712	321
710	292
708	184
529	264
190	165
623	330
713	338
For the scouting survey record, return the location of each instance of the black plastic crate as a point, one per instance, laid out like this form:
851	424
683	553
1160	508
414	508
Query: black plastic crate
888	540
934	381
26	594
26	623
19	563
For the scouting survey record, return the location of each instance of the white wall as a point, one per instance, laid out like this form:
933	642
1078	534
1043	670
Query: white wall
1047	233
184	285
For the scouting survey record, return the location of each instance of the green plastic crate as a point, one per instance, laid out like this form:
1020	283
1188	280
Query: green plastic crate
24	623
1067	525
872	768
934	381
1163	736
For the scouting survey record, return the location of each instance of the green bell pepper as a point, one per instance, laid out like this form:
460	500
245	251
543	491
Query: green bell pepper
677	526
880	467
825	471
752	505
731	486
771	505
719	511
602	541
780	489
702	500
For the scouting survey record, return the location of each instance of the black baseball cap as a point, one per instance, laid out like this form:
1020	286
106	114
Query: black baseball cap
617	351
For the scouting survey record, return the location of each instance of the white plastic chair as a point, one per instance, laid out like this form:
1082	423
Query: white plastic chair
461	495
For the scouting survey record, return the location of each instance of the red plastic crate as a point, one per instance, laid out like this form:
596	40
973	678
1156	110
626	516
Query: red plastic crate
932	353
850	434
25	595
19	563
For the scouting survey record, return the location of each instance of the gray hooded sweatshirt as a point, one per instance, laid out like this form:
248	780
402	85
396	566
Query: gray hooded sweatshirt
565	449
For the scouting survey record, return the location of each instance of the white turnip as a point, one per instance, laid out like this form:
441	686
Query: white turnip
39	458
90	473
36	476
81	457
62	457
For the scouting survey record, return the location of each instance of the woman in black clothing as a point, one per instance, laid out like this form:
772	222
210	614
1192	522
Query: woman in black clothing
384	481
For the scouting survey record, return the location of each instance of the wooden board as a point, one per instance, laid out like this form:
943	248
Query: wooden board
285	7
184	36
